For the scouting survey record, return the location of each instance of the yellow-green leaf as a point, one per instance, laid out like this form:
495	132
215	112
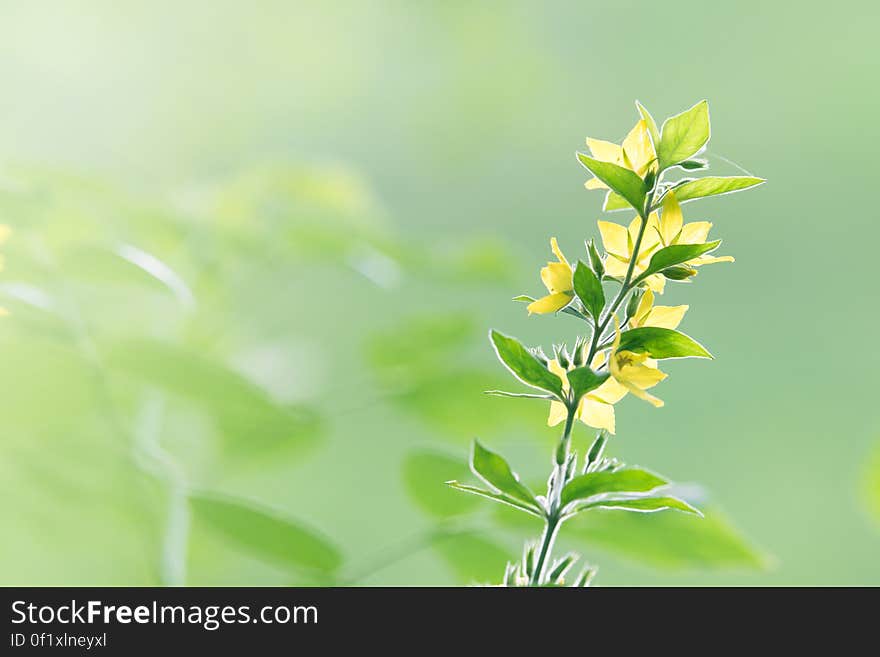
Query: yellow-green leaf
683	135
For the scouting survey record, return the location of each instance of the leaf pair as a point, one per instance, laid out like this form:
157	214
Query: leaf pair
623	489
690	189
494	470
680	139
525	366
626	489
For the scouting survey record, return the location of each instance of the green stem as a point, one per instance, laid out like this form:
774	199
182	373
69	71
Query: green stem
547	540
626	286
554	496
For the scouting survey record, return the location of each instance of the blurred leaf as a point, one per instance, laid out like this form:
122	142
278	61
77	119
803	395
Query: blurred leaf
589	289
667	540
40	374
266	533
317	212
713	185
246	414
424	475
473	557
418	344
158	270
632	480
676	254
122	265
661	343
683	135
495	471
452	402
871	483
621	181
642	504
487	260
524	365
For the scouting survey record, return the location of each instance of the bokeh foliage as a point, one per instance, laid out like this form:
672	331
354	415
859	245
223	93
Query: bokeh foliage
457	127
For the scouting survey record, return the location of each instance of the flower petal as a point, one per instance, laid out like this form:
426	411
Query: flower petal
708	260
671	219
554	246
641	394
557	277
605	150
695	232
550	304
656	283
637	148
668	317
644	307
614	238
609	392
558	413
596	414
640	375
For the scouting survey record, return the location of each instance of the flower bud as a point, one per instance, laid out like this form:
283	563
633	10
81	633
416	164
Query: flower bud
539	354
633	304
595	260
679	272
595	452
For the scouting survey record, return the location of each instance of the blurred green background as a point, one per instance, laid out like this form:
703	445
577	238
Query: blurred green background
257	248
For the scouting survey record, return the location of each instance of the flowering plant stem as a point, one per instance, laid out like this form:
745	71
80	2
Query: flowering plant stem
585	383
554	520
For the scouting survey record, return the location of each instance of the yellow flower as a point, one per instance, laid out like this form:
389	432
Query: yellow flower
619	243
635	372
647	314
596	408
671	229
636	153
557	278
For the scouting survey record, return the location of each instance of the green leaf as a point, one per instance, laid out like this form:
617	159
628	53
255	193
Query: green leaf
642	504
596	262
713	186
495	471
524	365
472	556
621	180
424	474
519	395
667	540
683	135
266	533
650	122
589	289
495	497
583	379
675	255
661	343
628	480
615	202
